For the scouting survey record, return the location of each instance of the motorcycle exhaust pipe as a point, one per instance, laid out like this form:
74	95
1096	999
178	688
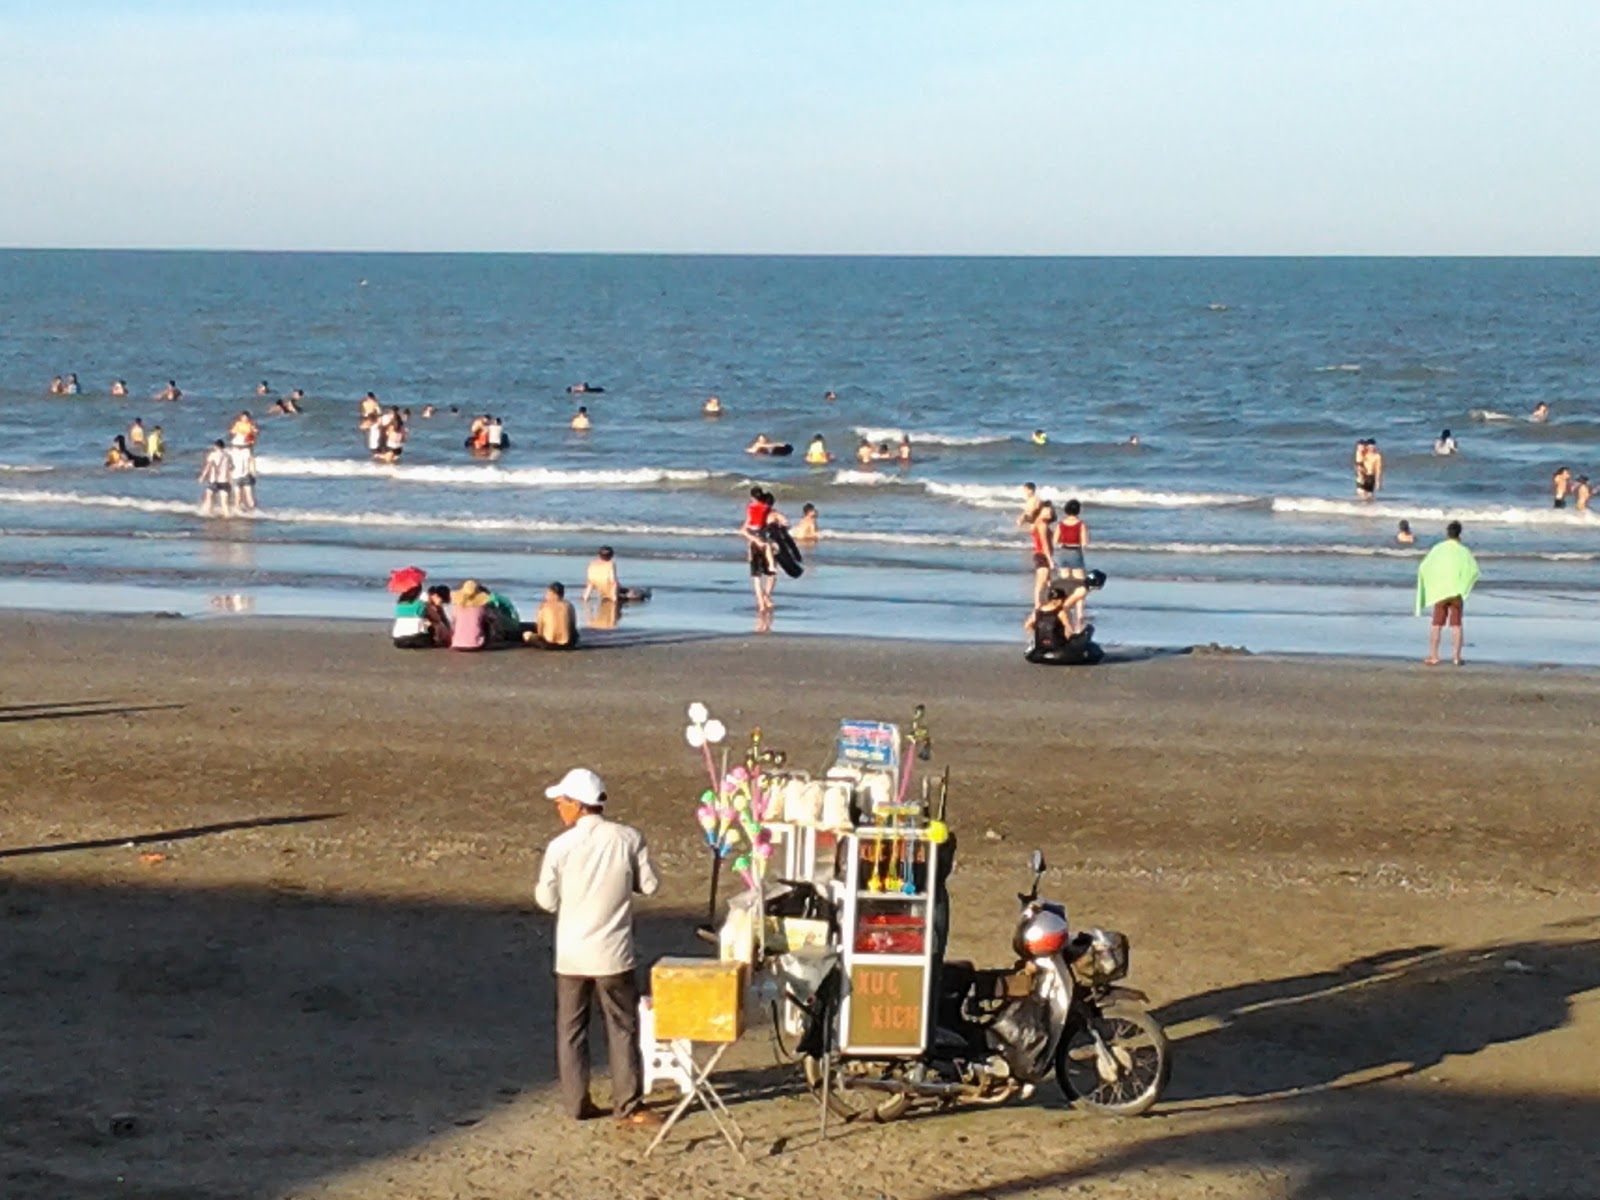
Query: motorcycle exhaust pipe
913	1089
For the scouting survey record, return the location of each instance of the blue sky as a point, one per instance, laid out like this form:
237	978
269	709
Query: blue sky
878	126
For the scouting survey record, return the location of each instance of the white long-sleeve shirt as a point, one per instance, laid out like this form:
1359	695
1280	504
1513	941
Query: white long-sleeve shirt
588	879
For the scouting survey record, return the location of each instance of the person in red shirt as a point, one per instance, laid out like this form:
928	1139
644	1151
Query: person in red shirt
763	571
1044	562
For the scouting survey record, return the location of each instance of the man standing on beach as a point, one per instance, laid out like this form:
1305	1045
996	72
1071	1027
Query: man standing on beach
1444	580
588	879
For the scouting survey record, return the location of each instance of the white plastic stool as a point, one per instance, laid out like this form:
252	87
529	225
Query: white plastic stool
663	1061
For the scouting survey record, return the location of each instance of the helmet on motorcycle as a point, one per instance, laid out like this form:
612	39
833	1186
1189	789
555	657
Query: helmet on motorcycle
1041	933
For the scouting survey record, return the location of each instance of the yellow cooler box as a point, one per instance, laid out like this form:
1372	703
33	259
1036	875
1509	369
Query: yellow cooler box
698	999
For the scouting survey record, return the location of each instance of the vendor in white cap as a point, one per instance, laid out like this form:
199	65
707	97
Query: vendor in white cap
589	878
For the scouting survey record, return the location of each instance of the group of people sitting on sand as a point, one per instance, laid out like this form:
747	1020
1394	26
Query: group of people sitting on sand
474	617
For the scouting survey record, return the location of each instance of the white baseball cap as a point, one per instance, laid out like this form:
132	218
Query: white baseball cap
582	785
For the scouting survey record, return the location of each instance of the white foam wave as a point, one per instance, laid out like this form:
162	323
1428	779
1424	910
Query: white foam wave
1314	506
1340	367
1489	414
888	433
478	476
1004	495
23	469
866	478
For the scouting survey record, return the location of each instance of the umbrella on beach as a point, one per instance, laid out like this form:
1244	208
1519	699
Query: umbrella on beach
403	579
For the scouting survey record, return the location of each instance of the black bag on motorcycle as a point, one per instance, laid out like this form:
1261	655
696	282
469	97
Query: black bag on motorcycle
1021	1034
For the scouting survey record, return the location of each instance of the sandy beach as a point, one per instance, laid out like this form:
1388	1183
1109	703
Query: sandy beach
266	926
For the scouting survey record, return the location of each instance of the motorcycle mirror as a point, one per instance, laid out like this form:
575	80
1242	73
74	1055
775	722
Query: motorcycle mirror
1036	861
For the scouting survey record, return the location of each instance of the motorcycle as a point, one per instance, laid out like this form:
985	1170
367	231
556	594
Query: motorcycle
999	1033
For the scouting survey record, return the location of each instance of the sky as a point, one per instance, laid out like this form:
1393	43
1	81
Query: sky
822	127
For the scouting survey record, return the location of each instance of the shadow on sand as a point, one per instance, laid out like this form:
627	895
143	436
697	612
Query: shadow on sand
262	1039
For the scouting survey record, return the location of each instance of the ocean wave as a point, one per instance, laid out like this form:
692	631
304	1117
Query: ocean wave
1014	544
1392	510
23	469
1339	367
481	476
1007	495
890	433
1489	414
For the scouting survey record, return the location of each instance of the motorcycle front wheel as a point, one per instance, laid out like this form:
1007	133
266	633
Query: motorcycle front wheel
1129	1076
854	1103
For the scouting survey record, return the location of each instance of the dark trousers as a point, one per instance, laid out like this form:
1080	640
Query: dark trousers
618	996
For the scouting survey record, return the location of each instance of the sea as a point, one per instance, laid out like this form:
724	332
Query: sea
1203	411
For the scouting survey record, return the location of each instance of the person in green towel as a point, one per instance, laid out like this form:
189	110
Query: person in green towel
1444	581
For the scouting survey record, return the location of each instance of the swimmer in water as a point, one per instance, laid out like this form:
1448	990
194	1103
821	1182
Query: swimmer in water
120	458
1133	440
136	432
1040	437
1444	444
883	453
1581	494
427	412
712	407
1404	535
580	421
1560	485
58	386
119	387
762	445
170	392
864	452
583	389
805	529
817	452
904	452
829	397
71	388
262	389
1540	413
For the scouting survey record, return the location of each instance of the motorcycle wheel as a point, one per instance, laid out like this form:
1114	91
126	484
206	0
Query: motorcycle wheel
1141	1059
853	1104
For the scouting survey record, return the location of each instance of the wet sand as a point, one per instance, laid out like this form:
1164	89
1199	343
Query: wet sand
1365	897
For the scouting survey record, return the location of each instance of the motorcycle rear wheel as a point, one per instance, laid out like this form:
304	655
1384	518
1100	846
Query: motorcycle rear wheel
1141	1061
852	1104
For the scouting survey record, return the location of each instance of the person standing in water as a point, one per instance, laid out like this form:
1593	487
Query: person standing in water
1072	540
817	452
216	480
712	407
119	387
1403	535
1445	578
1445	444
1581	494
1044	563
581	422
136	432
1540	413
156	445
170	392
1560	485
1369	469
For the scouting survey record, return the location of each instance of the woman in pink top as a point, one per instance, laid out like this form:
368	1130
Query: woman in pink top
468	626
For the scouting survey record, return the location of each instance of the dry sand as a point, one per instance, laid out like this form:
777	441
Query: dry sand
1365	897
